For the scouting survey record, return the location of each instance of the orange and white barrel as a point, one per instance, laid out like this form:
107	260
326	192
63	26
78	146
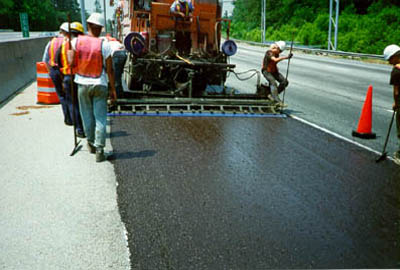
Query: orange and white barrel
46	91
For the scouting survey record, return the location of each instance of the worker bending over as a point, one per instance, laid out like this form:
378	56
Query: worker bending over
68	72
392	54
50	58
181	8
271	72
93	62
118	55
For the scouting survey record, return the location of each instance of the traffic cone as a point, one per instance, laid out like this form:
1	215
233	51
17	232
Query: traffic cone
365	122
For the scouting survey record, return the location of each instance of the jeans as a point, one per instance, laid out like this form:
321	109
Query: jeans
93	107
71	99
119	59
272	78
55	76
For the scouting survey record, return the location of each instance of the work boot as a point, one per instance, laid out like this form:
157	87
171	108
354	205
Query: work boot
100	154
91	148
80	134
396	157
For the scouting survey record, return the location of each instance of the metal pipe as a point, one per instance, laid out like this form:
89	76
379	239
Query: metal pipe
265	19
105	17
336	23
330	24
83	16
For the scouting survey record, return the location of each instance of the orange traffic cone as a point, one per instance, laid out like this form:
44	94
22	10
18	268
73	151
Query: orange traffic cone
365	123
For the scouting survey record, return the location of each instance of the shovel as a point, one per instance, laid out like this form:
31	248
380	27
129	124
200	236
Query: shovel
384	153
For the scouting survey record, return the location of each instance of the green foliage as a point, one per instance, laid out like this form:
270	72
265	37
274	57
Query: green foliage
44	15
365	26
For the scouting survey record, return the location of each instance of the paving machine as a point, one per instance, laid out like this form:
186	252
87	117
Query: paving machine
172	60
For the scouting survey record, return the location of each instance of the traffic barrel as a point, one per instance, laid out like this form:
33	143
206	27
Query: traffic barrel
46	91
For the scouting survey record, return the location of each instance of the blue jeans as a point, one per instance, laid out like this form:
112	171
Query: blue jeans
119	59
71	99
55	76
93	107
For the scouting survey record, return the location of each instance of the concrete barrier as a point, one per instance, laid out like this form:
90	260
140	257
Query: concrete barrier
18	64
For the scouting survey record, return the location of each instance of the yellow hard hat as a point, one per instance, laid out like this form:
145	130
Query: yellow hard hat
77	27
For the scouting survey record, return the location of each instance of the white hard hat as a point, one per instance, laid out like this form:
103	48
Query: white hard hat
64	27
97	19
281	44
390	51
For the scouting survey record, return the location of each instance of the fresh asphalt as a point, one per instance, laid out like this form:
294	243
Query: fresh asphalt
258	193
243	193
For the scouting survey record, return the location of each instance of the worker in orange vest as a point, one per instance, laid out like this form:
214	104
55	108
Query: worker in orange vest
93	65
68	72
50	58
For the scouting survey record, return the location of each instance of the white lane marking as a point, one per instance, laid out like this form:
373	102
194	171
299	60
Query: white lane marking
336	135
391	111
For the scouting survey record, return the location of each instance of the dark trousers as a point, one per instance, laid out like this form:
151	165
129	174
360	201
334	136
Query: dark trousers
55	76
119	59
71	97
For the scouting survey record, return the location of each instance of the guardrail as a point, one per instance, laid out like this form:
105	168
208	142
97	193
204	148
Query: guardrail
314	50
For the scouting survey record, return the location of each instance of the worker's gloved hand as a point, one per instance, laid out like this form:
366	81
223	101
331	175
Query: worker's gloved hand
395	107
290	55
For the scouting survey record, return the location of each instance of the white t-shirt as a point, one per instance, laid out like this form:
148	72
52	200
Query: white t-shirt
114	45
102	80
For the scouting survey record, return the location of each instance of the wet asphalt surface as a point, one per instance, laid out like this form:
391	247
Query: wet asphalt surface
252	193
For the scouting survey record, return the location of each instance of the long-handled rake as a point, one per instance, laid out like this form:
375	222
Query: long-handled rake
384	153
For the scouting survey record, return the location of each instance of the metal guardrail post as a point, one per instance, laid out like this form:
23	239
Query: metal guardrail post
335	24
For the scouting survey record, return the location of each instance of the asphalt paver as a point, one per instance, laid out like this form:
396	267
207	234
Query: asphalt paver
243	193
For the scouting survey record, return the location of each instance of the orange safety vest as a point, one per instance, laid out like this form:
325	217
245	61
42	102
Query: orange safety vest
89	56
55	44
179	8
65	67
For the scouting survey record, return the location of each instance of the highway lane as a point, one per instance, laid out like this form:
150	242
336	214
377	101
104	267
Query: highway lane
251	193
329	91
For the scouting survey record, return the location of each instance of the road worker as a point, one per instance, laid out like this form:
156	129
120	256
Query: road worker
50	58
93	65
119	55
271	72
71	95
182	8
392	54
